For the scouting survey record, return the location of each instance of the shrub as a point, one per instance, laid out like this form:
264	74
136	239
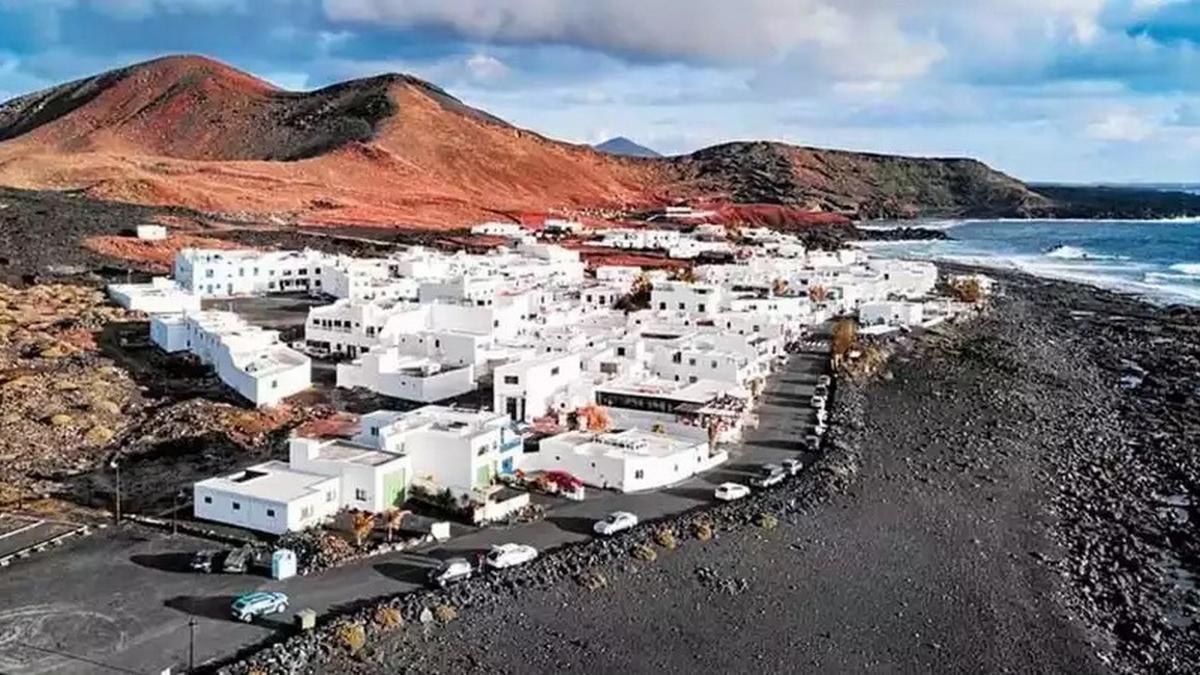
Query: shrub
967	290
352	637
702	530
60	420
766	521
445	613
388	618
592	580
644	553
104	407
666	539
845	332
99	435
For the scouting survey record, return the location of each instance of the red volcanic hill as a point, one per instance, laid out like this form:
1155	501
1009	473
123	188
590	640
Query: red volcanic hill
394	150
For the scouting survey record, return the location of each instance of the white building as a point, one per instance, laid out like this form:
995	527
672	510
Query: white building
891	313
224	273
547	384
160	296
448	448
694	298
627	461
369	479
495	229
151	232
388	371
631	238
249	359
268	497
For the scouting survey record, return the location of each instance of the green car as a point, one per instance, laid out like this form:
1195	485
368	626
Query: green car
259	603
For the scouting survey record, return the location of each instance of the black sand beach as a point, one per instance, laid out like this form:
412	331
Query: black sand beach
1013	495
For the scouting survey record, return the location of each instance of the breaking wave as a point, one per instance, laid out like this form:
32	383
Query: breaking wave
1066	252
1187	269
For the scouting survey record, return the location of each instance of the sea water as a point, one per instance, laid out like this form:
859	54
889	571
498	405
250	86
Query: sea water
1156	260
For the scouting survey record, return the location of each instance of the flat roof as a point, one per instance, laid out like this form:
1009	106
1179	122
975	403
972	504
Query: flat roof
624	444
700	391
272	481
353	453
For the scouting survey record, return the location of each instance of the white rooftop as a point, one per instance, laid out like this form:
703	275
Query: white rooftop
271	481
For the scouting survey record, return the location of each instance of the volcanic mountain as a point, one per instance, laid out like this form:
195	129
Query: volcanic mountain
626	148
395	150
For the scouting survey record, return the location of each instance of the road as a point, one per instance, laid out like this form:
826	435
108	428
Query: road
119	600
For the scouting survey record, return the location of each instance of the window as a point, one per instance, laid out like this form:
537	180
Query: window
700	307
553	371
237	506
691	362
208	500
306	513
511	379
620	351
330	496
360	494
639	474
374	431
208	273
692	379
270	513
274	384
662	305
714	365
682	306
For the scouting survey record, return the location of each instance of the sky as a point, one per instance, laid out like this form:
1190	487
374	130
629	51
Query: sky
1051	90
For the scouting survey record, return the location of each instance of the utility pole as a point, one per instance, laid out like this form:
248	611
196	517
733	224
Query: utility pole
117	467
191	644
175	514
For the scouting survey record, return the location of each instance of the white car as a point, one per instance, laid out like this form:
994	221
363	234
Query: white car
510	555
615	522
728	492
824	381
792	466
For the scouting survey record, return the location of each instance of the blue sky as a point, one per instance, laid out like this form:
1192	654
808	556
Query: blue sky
1073	90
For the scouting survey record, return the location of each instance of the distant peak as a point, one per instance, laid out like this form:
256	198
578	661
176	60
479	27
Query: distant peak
626	148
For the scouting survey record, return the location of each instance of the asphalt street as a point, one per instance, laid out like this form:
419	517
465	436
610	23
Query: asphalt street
120	600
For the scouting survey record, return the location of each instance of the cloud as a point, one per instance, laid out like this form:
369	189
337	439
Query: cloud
1122	125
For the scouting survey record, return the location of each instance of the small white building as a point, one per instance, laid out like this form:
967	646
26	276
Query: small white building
495	229
248	358
388	371
694	298
891	313
160	296
369	479
269	497
225	273
151	232
529	389
628	461
637	238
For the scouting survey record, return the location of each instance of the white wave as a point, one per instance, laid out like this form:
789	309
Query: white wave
1188	269
1066	252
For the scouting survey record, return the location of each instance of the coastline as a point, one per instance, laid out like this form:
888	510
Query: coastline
1013	494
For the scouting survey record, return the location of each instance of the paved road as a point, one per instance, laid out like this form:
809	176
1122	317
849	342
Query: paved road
117	601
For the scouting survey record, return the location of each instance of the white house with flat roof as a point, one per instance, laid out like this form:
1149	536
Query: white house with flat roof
159	296
225	273
448	448
370	479
269	497
627	461
532	388
248	358
151	232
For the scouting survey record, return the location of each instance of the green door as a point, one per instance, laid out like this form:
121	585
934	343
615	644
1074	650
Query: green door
395	488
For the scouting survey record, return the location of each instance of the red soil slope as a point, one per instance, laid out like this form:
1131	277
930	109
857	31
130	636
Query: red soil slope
396	151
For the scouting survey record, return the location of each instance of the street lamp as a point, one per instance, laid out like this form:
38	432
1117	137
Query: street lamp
117	467
175	513
191	643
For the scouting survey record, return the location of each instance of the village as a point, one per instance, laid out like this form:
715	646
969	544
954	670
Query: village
610	378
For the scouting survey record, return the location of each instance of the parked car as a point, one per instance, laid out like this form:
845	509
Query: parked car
818	402
450	571
813	442
509	555
792	466
259	603
821	390
236	561
819	428
824	381
204	561
769	475
615	522
728	492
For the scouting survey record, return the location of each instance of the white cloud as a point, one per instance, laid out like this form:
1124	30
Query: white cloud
1122	125
482	67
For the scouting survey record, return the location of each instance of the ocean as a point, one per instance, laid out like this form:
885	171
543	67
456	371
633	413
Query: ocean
1156	260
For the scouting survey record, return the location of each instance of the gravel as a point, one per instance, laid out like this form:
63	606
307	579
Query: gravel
1016	495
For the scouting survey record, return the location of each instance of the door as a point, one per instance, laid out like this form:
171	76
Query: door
510	407
394	488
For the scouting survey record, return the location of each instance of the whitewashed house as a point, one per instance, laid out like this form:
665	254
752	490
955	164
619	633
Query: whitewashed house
628	461
495	229
151	232
268	497
249	359
225	273
547	384
159	296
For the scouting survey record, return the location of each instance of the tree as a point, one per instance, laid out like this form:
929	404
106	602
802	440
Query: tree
845	331
818	293
638	296
714	432
595	418
967	290
363	523
685	274
779	286
392	519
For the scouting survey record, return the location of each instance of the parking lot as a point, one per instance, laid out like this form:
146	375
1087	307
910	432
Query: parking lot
119	600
